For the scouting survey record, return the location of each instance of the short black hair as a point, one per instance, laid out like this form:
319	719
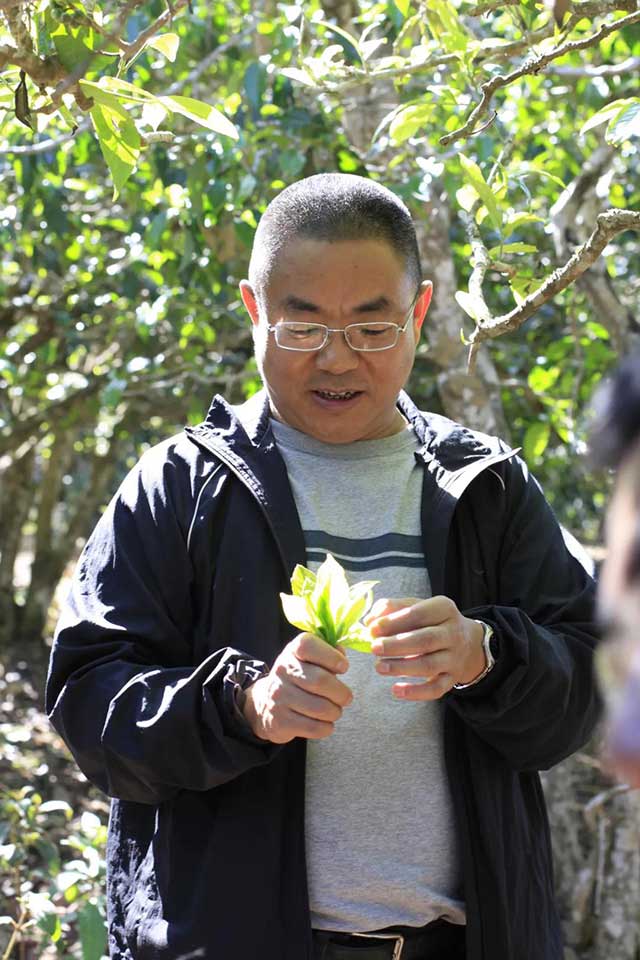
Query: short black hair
615	433
333	207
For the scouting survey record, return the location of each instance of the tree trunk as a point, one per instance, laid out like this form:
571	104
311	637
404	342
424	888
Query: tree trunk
45	567
596	841
473	399
57	548
16	495
470	398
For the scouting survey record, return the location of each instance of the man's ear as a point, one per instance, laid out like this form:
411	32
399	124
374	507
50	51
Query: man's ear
250	301
422	305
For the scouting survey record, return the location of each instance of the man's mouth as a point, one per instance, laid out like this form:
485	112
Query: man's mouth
337	395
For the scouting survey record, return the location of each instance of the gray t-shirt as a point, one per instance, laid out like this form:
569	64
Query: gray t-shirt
380	836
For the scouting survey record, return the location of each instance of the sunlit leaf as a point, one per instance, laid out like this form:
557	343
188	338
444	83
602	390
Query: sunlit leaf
607	113
512	248
298	612
204	114
408	121
300	75
473	175
119	141
471	305
325	605
535	440
167	44
303	580
625	124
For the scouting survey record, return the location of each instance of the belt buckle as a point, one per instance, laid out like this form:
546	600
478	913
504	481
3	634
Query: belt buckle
399	945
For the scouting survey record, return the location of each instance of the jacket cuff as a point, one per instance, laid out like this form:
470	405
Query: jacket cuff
239	676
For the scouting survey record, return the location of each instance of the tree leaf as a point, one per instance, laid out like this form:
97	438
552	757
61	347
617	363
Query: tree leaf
293	73
204	114
298	612
103	97
303	580
350	41
535	440
167	44
511	248
473	175
358	638
93	932
118	88
471	305
625	124
607	112
119	141
408	121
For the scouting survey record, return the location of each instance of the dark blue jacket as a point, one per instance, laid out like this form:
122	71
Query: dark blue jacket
175	607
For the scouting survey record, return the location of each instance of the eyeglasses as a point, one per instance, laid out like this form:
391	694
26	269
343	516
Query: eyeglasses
361	337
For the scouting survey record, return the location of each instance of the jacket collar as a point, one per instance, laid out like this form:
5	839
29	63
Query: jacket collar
242	438
448	448
453	455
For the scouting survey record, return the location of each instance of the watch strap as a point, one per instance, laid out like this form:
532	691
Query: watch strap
489	658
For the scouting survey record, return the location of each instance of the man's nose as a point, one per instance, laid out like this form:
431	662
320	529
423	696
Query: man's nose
337	356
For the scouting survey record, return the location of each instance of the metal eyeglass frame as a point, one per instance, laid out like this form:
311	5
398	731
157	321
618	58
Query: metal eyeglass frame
343	330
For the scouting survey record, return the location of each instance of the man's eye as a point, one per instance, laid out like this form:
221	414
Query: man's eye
375	330
300	331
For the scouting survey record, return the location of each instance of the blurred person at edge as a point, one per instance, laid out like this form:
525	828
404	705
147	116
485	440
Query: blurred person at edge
274	799
615	442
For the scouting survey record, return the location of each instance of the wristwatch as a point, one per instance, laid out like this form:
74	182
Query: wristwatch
490	659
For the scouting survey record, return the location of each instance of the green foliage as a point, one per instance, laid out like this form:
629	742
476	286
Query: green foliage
54	871
324	604
622	118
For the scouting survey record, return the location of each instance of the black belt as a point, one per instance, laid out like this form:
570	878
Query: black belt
437	941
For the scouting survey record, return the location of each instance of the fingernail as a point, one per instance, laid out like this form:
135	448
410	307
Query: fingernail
377	647
382	666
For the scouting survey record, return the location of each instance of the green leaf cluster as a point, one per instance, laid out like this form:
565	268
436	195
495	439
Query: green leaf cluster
324	604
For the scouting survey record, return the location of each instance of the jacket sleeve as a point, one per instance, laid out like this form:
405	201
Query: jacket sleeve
142	720
540	702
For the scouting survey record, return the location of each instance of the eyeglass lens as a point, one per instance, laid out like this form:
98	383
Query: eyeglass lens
360	336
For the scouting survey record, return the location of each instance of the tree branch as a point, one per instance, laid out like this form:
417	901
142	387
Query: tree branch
608	225
132	49
44	71
44	146
588	71
531	66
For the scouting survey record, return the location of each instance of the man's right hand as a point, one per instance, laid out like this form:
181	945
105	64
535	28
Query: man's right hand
301	696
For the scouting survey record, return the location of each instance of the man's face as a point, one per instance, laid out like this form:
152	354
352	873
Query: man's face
336	284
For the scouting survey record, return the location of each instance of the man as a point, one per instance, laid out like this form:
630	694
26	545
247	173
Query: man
275	799
616	443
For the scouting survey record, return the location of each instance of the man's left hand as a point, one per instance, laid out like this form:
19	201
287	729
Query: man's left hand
427	639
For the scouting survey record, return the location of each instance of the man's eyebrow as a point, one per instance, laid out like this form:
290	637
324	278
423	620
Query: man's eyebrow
380	303
292	302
